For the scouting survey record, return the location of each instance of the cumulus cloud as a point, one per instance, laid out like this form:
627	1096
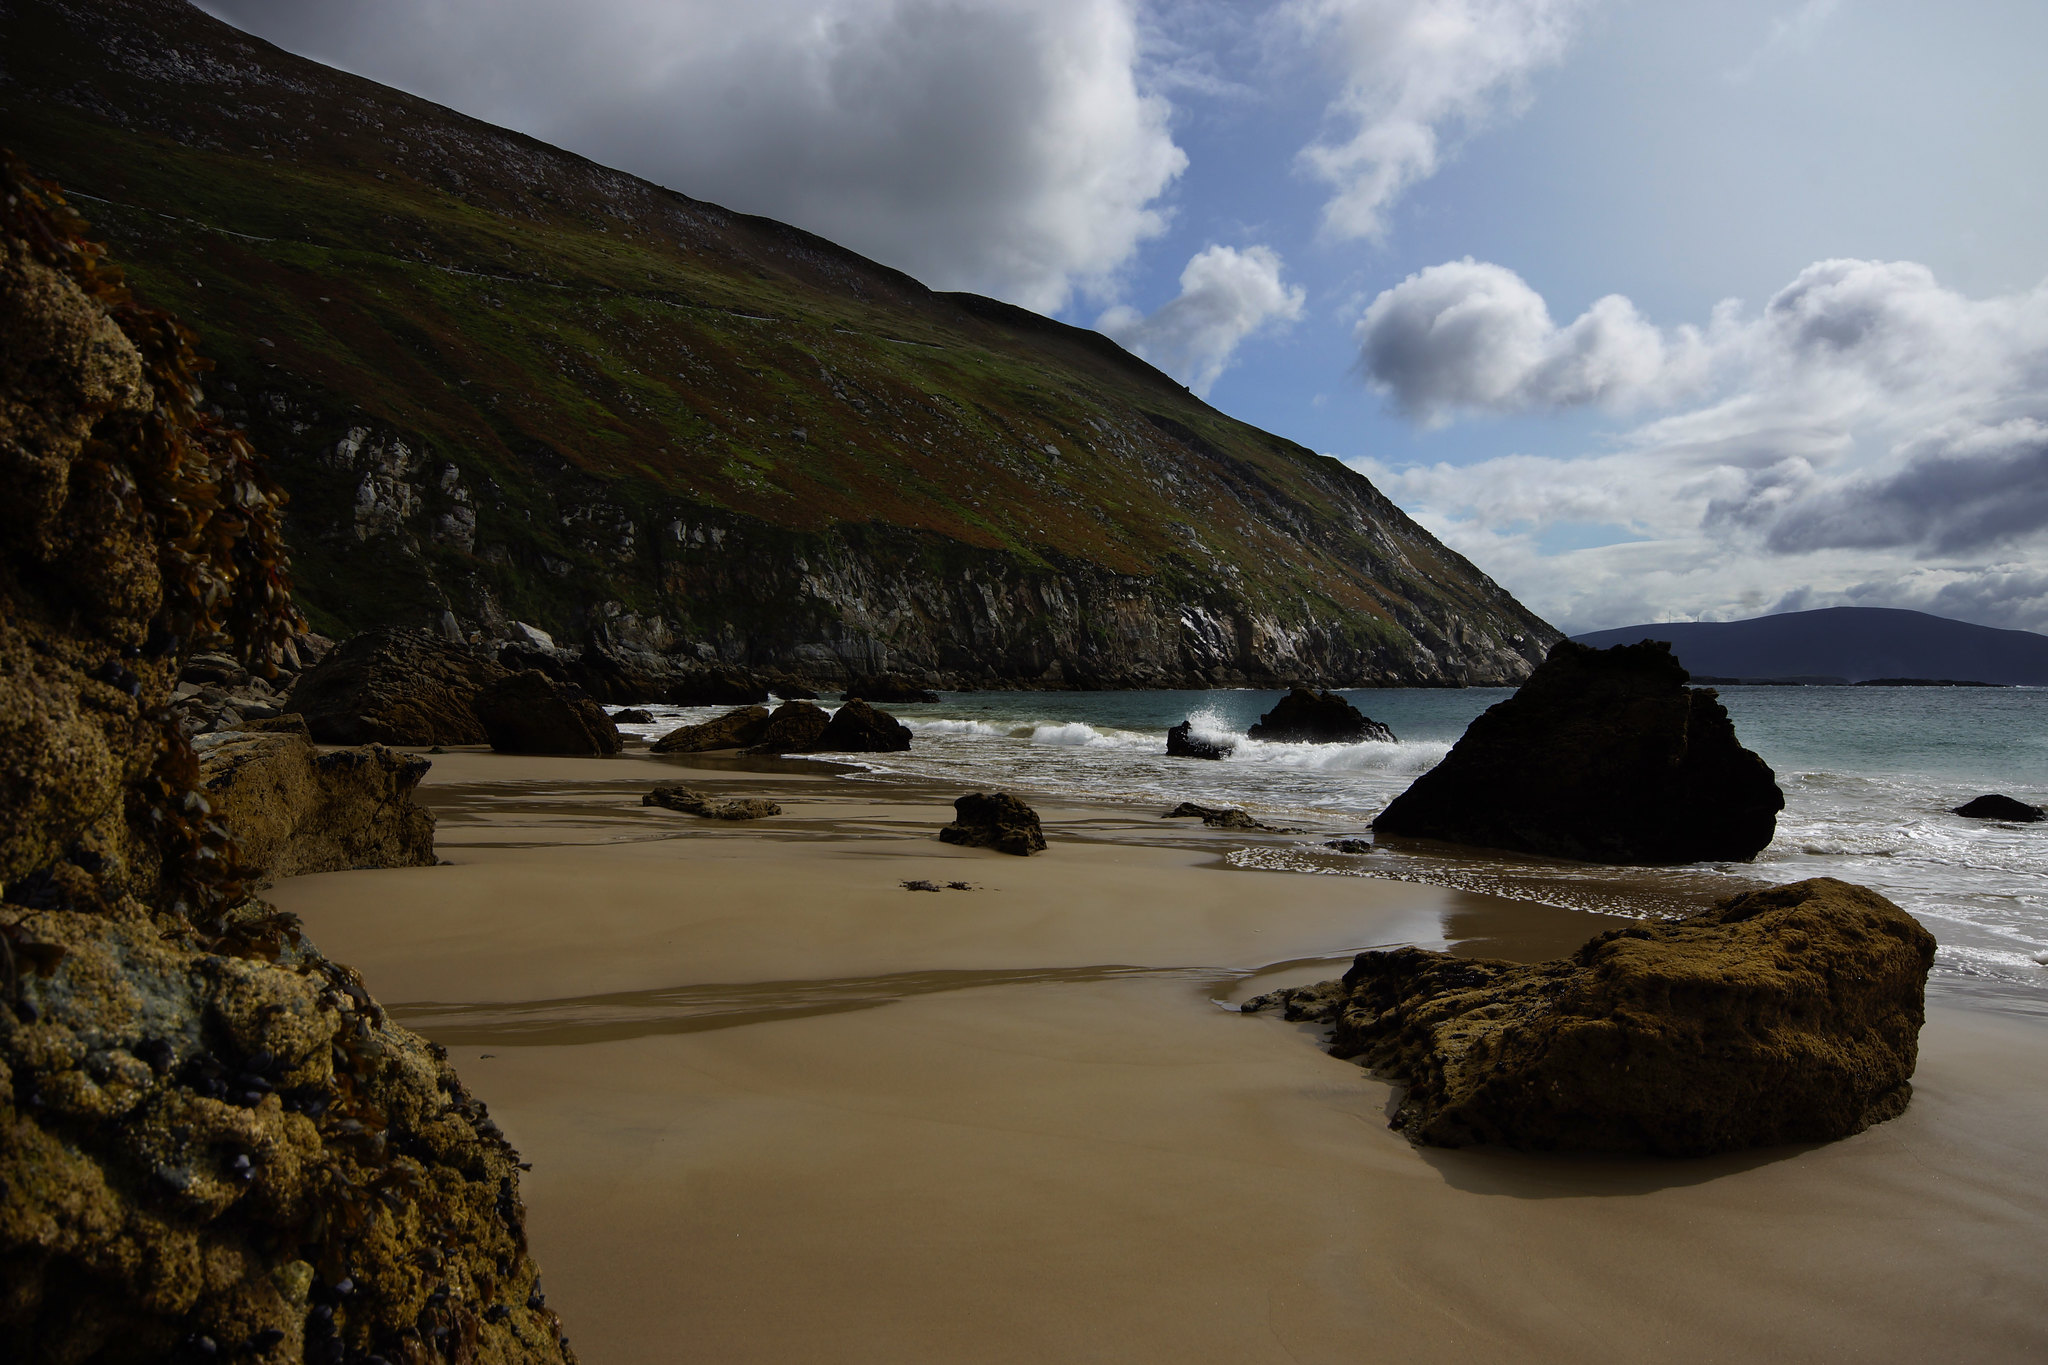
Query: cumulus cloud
1416	73
1226	295
1869	434
1004	146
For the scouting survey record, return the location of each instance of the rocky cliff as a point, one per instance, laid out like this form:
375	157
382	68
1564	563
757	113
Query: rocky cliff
213	1143
501	382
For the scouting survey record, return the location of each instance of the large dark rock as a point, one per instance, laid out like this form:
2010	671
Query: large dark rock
393	686
1305	717
734	730
857	728
1996	807
714	687
888	688
1183	742
995	820
1605	756
632	715
531	713
1786	1015
296	810
795	727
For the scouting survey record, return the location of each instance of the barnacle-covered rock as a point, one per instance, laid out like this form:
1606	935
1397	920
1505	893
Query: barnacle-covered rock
296	810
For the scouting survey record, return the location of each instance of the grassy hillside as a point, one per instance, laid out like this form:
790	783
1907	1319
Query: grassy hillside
600	372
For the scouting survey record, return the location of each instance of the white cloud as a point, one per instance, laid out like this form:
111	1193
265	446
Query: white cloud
1869	436
1226	295
1416	73
1004	146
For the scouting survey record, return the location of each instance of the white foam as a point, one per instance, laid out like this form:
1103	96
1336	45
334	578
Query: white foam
975	728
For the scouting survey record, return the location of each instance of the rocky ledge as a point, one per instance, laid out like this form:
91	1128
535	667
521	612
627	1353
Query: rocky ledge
1787	1015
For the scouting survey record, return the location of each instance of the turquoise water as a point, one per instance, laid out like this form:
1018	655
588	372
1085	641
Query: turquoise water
1869	776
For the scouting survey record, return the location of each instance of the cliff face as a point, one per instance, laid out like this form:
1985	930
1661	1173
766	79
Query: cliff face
213	1143
503	383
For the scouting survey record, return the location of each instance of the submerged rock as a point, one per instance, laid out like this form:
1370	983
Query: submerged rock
1996	807
1305	717
794	727
995	820
1182	742
692	802
1603	755
1786	1015
388	686
1222	817
733	730
295	810
857	728
531	713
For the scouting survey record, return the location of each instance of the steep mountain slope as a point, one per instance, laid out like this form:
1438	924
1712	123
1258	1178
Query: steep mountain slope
1855	643
502	382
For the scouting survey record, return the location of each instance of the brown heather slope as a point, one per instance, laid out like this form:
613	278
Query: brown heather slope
507	383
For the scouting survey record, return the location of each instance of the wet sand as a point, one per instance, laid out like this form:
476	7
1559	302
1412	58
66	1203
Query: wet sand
779	1107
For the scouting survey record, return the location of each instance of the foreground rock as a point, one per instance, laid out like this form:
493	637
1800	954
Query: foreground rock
1996	807
1183	742
1786	1015
1605	756
691	802
214	1145
995	820
1305	717
531	713
407	687
295	810
734	730
857	728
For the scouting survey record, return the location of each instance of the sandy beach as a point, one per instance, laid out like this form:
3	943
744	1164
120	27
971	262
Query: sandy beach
780	1107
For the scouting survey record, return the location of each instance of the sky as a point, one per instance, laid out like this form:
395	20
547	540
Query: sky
1654	311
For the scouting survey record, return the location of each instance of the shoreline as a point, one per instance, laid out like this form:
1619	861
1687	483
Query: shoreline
777	1105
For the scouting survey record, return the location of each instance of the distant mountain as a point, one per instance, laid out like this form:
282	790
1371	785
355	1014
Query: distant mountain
502	382
1855	643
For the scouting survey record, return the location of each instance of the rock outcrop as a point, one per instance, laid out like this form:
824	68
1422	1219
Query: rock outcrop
995	820
1786	1015
1604	756
857	728
213	1143
889	689
531	713
795	727
692	802
1305	717
1997	807
1183	742
736	729
296	810
386	686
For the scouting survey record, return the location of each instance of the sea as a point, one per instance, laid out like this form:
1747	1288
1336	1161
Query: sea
1870	775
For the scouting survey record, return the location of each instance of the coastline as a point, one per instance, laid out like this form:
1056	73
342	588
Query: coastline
778	1105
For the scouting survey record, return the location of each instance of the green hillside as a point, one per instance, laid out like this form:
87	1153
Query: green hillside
501	382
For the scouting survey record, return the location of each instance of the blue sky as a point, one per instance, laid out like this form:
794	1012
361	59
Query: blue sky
1656	311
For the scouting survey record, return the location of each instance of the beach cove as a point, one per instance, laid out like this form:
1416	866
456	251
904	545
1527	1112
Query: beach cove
780	1106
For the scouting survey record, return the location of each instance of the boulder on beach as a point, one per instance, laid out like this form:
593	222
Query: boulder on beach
296	810
994	820
1604	755
1996	807
1305	717
734	730
1183	742
531	713
857	728
1786	1015
632	715
888	688
795	727
391	686
692	802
